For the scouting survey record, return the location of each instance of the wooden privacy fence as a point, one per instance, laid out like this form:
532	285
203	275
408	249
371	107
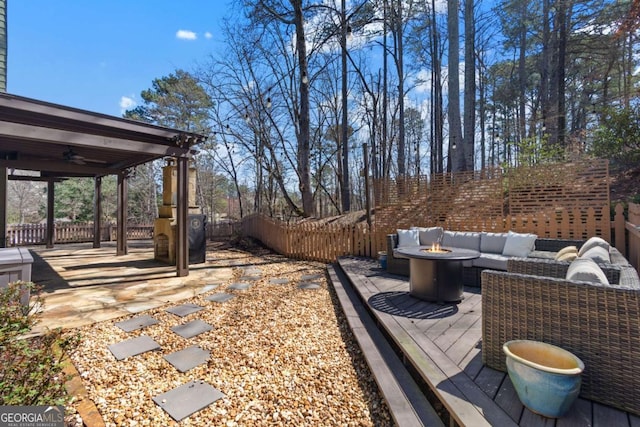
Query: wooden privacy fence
459	199
308	240
632	226
325	242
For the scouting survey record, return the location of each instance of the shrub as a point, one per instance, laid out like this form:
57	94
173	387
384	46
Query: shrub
618	137
31	369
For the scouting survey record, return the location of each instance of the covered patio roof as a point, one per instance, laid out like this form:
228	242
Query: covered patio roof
62	142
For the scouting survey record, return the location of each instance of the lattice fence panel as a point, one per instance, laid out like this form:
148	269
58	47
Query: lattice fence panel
459	198
541	188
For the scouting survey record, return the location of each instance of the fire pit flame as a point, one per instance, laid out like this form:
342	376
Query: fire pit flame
435	248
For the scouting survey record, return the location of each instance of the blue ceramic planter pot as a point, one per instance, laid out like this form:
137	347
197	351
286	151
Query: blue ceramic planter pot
382	258
547	378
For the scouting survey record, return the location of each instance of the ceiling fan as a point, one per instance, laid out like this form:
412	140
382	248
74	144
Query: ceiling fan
73	157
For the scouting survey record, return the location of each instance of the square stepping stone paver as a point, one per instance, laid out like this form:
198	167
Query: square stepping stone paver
240	286
133	347
279	281
209	287
184	309
309	285
220	297
250	278
136	323
311	276
187	399
191	329
253	271
188	358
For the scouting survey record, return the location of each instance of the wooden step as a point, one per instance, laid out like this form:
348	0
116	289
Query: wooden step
407	403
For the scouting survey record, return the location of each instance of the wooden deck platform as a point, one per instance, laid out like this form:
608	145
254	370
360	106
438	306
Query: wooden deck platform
441	346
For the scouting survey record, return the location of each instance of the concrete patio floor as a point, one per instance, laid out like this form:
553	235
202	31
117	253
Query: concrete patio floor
84	285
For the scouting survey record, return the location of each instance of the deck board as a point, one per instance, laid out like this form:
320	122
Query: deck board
443	343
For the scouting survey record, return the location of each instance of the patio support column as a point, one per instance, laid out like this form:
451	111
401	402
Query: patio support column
51	192
121	226
4	180
97	211
182	207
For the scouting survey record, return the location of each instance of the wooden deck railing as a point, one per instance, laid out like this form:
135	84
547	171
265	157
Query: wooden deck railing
35	234
325	242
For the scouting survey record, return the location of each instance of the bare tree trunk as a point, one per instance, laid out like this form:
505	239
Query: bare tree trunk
456	150
545	67
304	173
438	120
522	71
563	12
469	85
397	31
344	139
385	91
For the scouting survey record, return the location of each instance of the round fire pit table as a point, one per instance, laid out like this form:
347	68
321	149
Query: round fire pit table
436	274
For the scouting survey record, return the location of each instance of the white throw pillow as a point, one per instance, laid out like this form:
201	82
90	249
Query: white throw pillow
592	242
429	235
519	244
567	256
568	253
408	238
586	270
597	253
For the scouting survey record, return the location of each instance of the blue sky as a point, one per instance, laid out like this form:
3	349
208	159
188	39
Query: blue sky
96	54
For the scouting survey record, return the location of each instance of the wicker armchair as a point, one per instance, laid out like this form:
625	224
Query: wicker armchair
601	325
395	265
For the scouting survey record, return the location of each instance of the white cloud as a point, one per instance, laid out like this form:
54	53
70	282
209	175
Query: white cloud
127	103
186	35
208	35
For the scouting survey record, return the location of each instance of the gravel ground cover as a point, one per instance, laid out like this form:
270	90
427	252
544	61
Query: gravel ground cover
281	355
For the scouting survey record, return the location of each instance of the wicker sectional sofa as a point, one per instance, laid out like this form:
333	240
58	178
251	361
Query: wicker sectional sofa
491	256
600	324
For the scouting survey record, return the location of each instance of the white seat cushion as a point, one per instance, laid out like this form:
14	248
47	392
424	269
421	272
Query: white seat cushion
541	254
397	254
492	261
